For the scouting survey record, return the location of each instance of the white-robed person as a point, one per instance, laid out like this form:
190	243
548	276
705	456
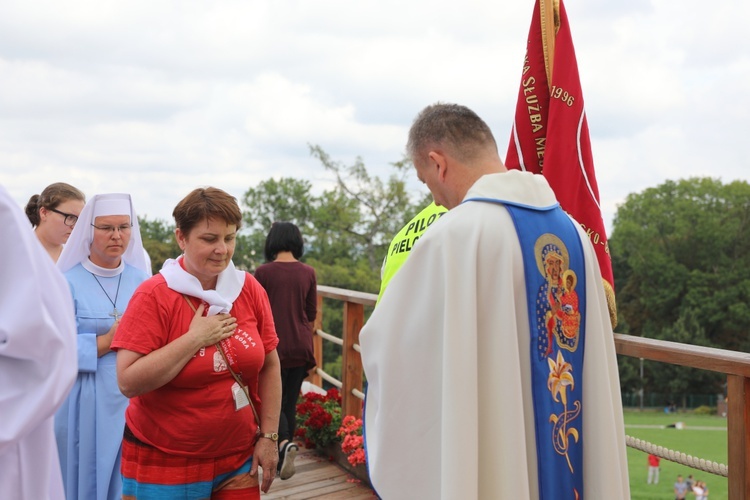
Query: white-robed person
37	359
477	383
104	262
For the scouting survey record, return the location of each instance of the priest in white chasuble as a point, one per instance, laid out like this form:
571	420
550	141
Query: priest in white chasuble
478	387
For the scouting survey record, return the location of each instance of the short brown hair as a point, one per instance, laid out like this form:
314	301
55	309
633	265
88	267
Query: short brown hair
52	196
455	127
206	203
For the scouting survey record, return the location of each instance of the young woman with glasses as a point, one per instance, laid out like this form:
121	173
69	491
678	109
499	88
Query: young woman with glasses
53	214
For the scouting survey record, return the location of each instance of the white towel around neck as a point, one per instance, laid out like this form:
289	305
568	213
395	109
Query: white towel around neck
228	285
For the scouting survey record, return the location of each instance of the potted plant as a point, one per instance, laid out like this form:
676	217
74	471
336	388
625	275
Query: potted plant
320	426
319	418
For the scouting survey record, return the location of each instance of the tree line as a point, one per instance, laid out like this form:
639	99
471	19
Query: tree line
681	261
680	256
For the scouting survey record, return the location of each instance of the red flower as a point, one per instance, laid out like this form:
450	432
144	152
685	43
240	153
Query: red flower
319	417
353	442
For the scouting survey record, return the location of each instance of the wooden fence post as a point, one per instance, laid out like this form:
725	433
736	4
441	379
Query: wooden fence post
351	362
738	445
313	377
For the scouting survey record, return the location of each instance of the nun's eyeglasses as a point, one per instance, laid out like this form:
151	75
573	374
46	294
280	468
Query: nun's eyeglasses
123	228
70	219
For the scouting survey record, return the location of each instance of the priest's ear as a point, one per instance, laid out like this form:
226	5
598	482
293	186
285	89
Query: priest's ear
439	161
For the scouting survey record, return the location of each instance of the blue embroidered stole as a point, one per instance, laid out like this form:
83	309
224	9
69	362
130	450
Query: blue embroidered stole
556	297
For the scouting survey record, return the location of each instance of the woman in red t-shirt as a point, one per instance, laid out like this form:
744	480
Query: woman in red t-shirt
195	341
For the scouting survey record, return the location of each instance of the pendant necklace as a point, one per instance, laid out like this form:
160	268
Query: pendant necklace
115	313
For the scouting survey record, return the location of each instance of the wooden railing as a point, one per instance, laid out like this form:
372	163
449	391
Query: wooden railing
735	365
351	362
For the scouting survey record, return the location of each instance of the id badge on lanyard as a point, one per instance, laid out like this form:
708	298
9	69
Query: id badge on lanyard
239	395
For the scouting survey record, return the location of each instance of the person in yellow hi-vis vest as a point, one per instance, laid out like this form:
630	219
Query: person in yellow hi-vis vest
402	243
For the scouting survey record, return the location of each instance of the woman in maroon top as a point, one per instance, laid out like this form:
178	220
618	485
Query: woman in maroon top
292	291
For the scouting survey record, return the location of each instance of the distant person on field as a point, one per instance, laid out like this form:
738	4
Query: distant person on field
293	293
699	490
53	214
680	488
653	469
705	490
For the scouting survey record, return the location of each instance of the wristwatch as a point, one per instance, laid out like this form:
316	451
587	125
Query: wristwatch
273	436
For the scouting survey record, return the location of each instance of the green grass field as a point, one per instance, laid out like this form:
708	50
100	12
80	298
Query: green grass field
701	443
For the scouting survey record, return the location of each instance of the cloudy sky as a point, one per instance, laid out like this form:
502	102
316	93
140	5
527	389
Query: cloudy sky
158	97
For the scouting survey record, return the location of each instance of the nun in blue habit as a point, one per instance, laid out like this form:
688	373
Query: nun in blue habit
103	262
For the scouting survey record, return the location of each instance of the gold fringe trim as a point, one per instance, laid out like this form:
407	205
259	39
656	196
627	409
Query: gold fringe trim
611	304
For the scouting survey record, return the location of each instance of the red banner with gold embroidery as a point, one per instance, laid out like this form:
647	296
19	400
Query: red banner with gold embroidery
550	132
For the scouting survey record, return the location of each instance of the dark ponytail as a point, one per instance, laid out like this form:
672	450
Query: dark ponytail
32	210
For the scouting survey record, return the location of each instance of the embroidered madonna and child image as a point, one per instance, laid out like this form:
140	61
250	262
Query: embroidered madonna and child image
558	332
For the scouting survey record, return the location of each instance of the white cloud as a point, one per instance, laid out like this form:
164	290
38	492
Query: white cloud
156	98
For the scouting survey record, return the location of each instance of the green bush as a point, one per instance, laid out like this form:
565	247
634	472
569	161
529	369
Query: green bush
705	410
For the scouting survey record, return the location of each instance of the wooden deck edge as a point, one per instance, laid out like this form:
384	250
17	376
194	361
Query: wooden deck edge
334	453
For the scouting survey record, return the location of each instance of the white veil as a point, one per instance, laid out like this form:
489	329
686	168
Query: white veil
78	247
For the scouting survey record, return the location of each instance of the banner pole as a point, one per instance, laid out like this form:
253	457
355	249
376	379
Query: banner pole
549	14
